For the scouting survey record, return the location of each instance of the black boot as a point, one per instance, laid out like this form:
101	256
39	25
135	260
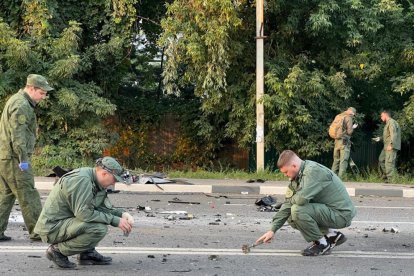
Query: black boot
92	257
4	238
62	261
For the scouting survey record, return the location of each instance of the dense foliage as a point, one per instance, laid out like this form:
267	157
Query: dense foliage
321	57
120	65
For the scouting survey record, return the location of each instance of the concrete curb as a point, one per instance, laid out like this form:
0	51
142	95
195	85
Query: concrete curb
240	187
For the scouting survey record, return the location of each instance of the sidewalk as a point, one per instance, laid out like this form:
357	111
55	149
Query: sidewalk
223	186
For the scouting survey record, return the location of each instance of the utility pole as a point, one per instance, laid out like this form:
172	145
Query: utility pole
259	87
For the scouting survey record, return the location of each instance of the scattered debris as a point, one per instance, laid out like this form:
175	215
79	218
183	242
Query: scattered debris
392	230
183	202
266	201
118	242
173	212
181	217
268	204
216	196
181	271
246	247
144	208
164	258
371	228
256	180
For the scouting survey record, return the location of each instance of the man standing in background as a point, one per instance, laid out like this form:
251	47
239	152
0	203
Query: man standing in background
392	144
17	140
341	130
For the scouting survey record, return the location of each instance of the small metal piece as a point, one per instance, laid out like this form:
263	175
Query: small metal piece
246	248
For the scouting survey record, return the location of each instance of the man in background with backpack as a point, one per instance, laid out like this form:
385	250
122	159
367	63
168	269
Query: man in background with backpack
341	130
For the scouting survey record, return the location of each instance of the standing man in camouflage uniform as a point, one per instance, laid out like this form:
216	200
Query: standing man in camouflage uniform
342	149
316	204
77	213
392	144
17	140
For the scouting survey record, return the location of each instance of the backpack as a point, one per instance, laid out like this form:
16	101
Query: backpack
336	129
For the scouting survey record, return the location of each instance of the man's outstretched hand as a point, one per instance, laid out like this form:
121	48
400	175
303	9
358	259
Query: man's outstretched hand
267	237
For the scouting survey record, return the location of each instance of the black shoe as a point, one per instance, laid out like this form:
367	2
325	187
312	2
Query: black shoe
336	240
92	257
317	249
4	238
62	261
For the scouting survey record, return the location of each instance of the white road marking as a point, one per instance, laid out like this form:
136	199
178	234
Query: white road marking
218	251
383	222
386	207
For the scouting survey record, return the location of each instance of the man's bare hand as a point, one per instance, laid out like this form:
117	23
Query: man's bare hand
267	237
125	226
128	217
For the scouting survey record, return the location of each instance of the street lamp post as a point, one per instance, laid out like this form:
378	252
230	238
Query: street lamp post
259	87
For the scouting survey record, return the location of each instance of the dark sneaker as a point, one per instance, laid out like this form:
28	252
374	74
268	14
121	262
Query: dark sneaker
336	240
4	238
92	257
317	249
62	261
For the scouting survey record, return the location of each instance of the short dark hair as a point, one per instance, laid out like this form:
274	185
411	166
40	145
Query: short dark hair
387	111
285	157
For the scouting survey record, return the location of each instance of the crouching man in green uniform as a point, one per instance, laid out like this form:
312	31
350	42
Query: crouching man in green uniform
317	204
77	211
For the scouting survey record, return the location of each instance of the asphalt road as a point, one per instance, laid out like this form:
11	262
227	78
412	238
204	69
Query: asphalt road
210	242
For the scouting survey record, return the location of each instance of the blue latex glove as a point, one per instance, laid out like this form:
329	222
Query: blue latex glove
24	166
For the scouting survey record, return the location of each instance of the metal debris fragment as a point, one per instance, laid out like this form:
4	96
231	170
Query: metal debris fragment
246	248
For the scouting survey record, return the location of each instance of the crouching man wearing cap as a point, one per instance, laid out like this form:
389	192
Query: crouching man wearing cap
17	141
77	211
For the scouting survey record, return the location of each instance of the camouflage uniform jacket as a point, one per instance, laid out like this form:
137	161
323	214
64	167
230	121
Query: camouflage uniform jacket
348	122
392	134
77	195
18	127
315	184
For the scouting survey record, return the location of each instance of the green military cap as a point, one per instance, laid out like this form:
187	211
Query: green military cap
38	81
111	165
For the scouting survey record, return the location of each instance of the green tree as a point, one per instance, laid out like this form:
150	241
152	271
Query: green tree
83	48
320	58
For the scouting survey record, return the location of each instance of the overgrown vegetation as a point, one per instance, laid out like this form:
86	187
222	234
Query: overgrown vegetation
120	66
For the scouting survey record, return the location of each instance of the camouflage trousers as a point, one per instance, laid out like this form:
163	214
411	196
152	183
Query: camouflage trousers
387	160
314	219
341	156
15	183
73	236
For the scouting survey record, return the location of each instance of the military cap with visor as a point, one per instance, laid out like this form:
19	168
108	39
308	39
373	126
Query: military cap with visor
39	82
